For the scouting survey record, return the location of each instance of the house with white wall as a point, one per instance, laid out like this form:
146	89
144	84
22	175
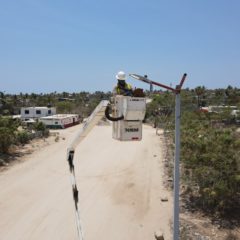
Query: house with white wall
60	120
36	112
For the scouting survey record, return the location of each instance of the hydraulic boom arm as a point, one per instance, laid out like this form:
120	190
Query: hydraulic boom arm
92	120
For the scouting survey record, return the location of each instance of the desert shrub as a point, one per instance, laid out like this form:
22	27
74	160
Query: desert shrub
212	155
8	128
65	107
23	137
7	138
160	111
41	128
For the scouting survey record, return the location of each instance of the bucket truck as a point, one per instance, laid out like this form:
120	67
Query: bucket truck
127	116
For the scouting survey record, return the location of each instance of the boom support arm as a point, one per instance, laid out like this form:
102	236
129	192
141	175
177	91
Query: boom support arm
92	120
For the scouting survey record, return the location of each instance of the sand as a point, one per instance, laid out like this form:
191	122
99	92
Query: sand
120	188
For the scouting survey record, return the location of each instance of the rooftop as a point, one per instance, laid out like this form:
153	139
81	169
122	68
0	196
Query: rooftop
60	116
39	107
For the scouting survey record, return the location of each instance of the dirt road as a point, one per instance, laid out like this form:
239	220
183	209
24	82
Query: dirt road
120	185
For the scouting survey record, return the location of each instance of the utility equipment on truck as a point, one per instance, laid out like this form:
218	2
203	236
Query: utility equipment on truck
127	115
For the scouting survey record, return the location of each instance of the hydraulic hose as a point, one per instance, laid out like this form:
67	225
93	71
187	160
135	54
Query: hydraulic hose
109	117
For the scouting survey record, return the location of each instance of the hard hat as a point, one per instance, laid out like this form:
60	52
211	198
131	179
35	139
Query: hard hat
121	75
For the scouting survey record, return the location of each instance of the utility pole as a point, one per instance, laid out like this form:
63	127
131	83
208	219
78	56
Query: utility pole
151	88
177	92
176	167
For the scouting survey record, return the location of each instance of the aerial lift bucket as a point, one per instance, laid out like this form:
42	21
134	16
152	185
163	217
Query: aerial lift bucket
127	116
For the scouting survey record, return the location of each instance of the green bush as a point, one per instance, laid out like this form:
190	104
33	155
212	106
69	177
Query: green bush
41	127
23	137
212	155
7	138
65	107
8	128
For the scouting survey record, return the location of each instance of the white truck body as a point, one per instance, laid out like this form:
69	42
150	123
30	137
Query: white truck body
133	109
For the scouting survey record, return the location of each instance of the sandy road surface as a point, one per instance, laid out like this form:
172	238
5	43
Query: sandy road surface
120	186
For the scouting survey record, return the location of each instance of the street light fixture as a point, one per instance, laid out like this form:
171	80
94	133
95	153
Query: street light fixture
177	91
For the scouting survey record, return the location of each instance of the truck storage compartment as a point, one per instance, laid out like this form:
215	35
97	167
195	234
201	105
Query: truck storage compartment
127	130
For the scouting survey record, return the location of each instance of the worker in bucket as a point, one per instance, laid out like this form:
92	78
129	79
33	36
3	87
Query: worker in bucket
122	87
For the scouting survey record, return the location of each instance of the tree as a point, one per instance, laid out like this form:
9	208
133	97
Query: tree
200	90
7	133
212	155
65	107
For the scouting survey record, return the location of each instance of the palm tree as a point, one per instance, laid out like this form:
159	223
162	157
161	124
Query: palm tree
200	90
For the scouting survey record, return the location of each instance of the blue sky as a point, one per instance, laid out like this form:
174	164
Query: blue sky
79	45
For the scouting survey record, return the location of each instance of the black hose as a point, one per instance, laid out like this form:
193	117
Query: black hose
109	117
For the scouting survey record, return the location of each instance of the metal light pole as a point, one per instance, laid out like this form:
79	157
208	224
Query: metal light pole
177	91
176	168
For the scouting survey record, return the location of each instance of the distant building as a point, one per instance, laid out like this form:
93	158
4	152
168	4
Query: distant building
36	112
60	120
217	109
66	99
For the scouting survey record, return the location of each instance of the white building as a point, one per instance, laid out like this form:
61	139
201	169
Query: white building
36	112
60	120
217	109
